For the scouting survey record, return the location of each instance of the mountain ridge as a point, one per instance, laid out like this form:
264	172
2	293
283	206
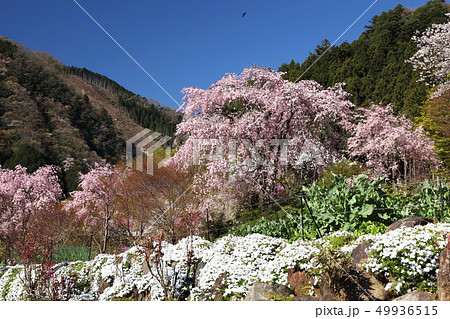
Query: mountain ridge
373	66
48	116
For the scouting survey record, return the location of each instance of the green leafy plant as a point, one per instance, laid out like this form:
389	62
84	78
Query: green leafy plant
359	205
426	201
340	206
371	228
339	241
71	253
285	223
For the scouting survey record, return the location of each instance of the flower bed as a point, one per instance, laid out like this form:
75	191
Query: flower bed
408	258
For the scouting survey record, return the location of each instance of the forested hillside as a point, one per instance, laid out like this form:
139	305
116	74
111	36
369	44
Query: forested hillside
373	67
148	115
41	113
48	116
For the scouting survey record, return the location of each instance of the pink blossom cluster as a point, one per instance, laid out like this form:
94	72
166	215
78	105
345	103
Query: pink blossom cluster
24	195
390	146
95	202
279	192
246	118
433	57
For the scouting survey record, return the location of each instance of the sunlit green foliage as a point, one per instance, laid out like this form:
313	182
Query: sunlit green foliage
365	207
373	67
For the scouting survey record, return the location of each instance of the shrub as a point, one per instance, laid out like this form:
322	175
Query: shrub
344	168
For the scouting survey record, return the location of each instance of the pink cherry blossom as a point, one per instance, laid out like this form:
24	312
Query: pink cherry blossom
23	197
390	146
236	128
95	204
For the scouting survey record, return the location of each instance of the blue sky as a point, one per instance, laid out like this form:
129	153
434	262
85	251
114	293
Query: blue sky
182	43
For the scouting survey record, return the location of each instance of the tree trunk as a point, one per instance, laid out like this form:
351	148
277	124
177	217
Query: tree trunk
106	233
97	243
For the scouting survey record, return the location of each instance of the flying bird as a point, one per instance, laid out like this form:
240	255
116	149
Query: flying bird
244	14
